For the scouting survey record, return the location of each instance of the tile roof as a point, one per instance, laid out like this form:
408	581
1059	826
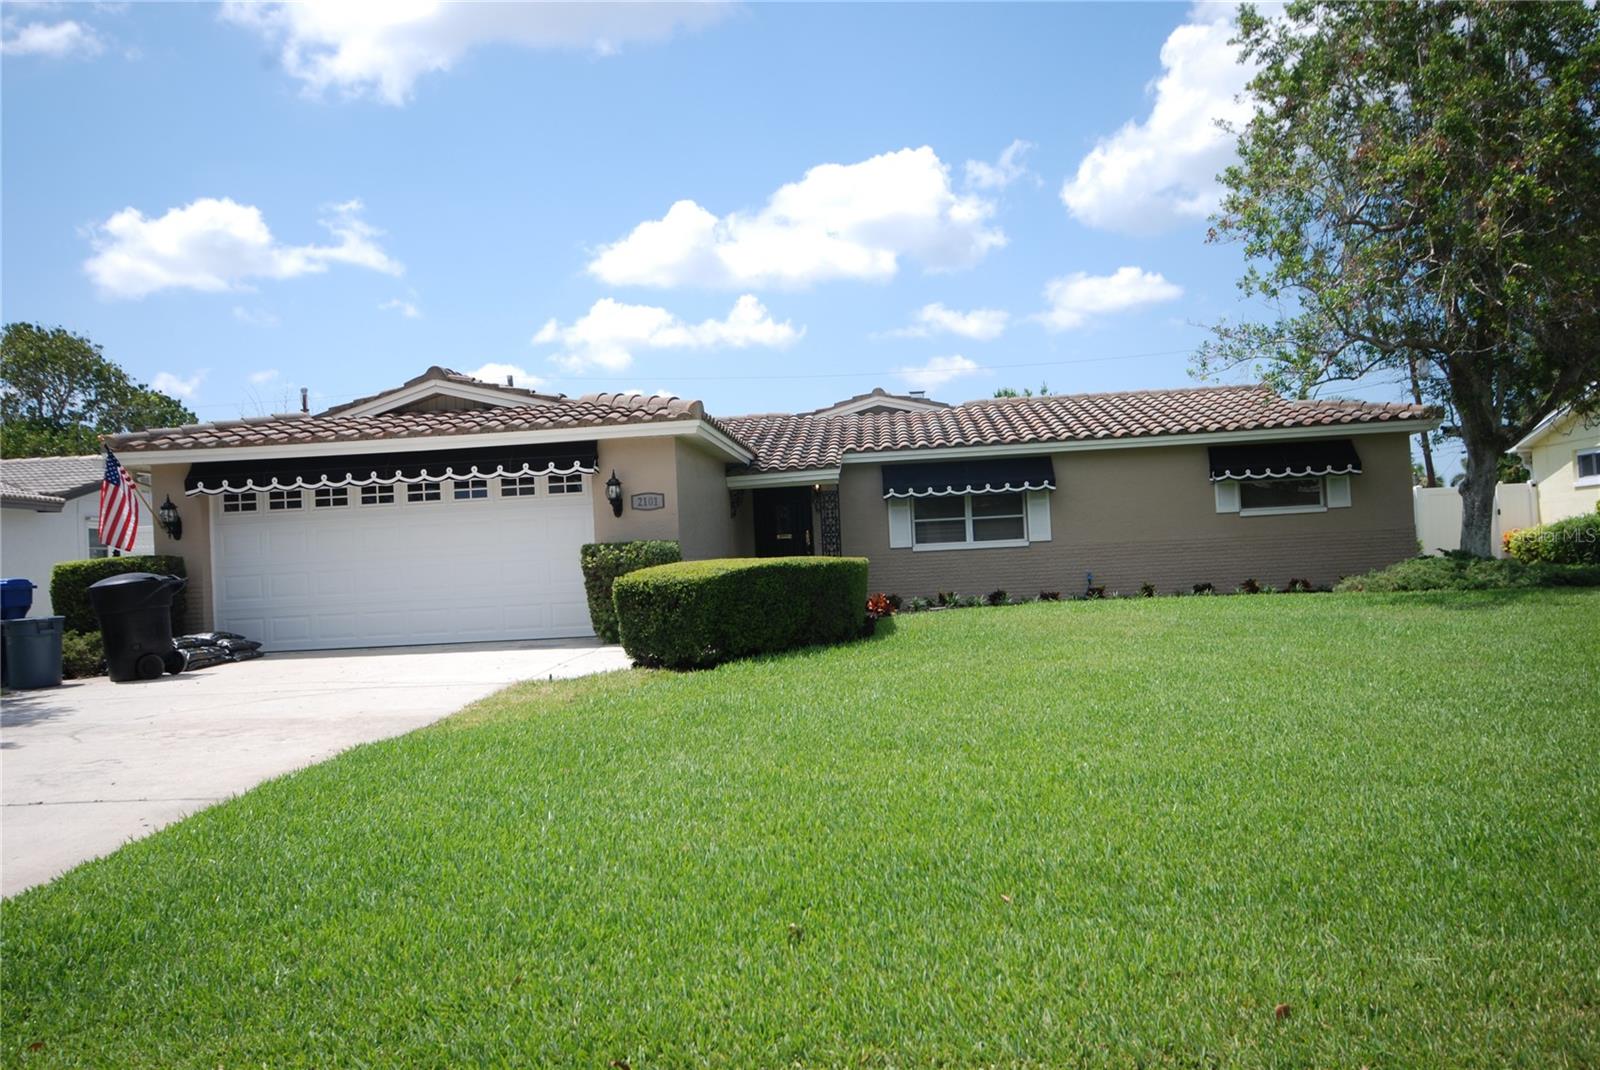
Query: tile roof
590	411
15	497
784	442
57	477
451	376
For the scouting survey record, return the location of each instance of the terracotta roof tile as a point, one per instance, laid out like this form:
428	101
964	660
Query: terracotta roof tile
784	442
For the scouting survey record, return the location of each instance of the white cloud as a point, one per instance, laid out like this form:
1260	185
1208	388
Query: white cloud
176	386
496	373
1076	297
255	317
382	47
216	245
981	324
405	308
263	377
841	221
606	336
1159	172
1004	171
938	371
56	40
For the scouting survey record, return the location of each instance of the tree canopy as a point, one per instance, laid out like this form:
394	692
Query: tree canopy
58	393
1419	190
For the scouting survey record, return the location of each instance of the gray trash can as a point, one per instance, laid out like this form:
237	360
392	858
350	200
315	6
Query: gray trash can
32	651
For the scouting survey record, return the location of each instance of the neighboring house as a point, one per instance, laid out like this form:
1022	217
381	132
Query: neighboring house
49	513
1562	455
450	509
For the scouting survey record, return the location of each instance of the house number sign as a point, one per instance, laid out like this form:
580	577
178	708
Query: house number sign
648	500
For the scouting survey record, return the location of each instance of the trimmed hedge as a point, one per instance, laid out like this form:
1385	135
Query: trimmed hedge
82	655
698	613
70	582
1462	573
1573	541
603	562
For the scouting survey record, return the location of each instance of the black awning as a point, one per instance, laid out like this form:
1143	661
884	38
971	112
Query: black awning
369	469
1280	460
999	475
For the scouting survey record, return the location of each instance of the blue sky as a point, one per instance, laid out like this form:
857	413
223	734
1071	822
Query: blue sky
766	207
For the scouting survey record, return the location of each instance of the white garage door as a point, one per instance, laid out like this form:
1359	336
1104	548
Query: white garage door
448	562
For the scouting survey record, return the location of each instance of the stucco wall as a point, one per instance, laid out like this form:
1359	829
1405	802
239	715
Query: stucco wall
1555	472
194	547
32	544
1149	514
642	464
705	528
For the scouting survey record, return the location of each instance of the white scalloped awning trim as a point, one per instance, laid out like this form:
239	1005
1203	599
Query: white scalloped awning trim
1288	473
971	488
374	480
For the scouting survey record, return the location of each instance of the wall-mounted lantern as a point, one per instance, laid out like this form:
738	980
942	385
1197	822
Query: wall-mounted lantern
614	493
171	522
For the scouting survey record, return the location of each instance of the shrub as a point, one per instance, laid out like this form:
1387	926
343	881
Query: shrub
1250	586
1299	587
895	602
880	605
1147	589
82	655
70	582
1471	574
996	598
1094	592
946	598
1573	541
603	562
1205	588
1049	596
698	613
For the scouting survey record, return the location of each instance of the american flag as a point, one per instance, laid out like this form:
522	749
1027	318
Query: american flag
119	506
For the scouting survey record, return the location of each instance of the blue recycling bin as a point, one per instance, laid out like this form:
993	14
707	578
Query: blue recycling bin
16	598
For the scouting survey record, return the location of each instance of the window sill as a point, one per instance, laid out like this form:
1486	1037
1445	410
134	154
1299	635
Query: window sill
1284	510
1586	481
998	544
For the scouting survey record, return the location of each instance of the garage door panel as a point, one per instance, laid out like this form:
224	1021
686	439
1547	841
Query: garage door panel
451	571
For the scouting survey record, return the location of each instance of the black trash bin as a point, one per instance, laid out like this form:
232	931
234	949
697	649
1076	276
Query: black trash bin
135	611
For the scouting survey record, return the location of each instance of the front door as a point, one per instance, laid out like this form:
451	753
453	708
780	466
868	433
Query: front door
783	522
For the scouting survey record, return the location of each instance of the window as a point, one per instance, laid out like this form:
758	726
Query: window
423	492
571	484
239	503
278	500
331	497
466	489
98	549
969	520
519	486
377	495
1588	466
1280	496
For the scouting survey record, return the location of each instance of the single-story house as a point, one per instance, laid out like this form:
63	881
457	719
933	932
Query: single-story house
49	513
1562	455
450	509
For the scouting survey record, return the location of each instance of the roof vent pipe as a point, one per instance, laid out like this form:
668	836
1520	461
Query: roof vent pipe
509	382
919	393
305	400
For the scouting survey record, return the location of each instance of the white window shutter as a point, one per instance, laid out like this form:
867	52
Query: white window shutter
1038	516
899	522
1227	495
1338	492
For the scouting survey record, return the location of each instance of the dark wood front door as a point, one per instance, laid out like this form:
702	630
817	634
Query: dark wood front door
783	522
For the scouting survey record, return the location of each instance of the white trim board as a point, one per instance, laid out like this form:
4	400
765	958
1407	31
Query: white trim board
1212	438
699	429
798	477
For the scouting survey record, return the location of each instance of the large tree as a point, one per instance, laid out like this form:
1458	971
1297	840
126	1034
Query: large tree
1419	193
58	393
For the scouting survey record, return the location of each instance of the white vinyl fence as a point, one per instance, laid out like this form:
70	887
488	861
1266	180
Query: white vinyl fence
1438	514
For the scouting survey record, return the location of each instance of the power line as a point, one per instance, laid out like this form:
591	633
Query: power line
784	376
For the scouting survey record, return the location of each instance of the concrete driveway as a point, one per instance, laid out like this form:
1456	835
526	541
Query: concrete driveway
87	766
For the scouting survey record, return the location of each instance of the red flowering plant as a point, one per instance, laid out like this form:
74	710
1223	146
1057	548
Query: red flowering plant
878	605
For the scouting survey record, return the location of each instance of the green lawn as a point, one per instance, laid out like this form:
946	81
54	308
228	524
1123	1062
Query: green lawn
1102	833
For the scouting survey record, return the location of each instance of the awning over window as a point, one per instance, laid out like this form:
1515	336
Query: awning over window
1285	460
999	475
386	469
